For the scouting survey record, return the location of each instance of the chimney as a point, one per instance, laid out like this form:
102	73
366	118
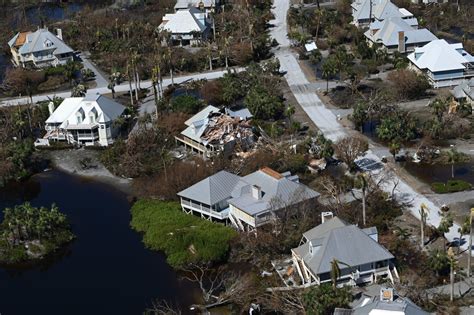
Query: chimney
326	216
401	41
59	33
256	192
51	107
386	294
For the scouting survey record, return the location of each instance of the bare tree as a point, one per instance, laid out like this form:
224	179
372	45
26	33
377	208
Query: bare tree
163	308
350	148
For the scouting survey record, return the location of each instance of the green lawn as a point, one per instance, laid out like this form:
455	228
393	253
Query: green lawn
183	238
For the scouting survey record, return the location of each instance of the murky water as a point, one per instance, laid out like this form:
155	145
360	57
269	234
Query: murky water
106	270
441	173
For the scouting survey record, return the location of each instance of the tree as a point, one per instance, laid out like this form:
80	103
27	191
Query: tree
446	223
439	107
186	104
452	266
263	104
79	90
424	210
350	148
315	57
464	229
408	84
323	299
329	70
22	81
438	261
453	157
362	180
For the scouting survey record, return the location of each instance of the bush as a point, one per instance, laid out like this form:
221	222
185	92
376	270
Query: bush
183	238
408	84
186	104
453	185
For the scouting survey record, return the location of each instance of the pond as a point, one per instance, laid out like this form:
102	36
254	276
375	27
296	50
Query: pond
441	173
106	270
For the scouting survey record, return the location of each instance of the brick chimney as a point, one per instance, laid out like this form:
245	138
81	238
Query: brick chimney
401	42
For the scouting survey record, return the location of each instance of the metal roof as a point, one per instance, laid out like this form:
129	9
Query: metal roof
184	21
439	55
237	191
389	29
213	189
346	243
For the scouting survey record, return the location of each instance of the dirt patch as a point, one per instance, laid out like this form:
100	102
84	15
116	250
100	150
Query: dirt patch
86	163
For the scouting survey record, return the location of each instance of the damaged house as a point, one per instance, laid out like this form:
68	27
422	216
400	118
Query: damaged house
212	132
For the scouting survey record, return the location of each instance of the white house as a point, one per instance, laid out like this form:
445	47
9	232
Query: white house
396	34
84	120
40	49
187	26
360	257
444	64
247	202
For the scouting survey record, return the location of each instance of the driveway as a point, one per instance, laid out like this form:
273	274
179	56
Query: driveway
100	80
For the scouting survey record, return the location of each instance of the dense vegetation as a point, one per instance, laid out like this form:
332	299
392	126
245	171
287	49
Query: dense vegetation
29	233
185	239
451	186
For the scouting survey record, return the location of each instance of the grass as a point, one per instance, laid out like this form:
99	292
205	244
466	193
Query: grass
453	185
184	238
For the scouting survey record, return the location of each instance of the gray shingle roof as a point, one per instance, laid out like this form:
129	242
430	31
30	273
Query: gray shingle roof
212	190
338	240
35	42
276	193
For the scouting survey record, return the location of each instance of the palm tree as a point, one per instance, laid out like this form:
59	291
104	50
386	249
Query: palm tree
463	230
452	266
424	210
445	224
329	69
439	106
438	261
404	234
363	182
453	157
470	243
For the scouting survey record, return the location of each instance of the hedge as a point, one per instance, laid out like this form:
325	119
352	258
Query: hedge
183	238
451	186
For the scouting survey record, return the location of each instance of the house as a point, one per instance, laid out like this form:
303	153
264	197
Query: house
387	302
396	34
84	120
187	26
212	132
464	92
204	5
246	202
443	63
381	10
39	49
361	258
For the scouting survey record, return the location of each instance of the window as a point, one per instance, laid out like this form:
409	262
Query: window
102	126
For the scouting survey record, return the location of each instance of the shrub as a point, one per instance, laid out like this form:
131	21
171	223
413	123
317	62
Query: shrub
183	238
186	104
451	186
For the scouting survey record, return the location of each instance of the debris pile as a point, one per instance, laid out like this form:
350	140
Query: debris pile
223	129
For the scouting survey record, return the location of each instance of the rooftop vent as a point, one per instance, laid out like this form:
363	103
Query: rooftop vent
325	216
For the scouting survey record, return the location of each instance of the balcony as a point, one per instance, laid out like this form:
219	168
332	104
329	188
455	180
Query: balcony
204	209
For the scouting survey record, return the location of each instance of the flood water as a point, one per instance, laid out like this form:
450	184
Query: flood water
441	173
106	270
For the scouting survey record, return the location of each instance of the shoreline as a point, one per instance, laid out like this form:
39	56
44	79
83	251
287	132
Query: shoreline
69	161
